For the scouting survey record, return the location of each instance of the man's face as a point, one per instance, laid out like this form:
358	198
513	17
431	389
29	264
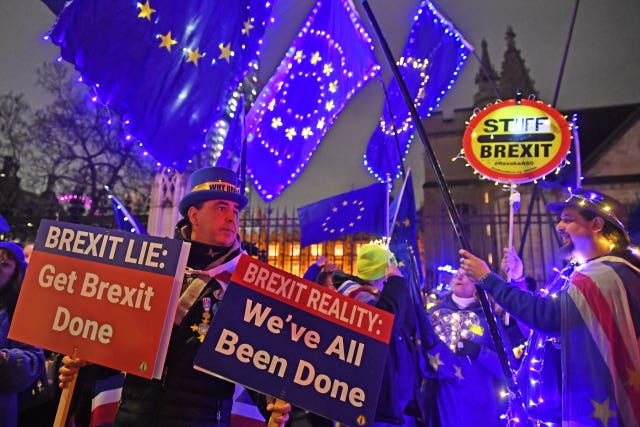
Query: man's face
216	223
8	267
577	232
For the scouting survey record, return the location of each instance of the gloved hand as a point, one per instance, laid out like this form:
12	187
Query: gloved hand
468	348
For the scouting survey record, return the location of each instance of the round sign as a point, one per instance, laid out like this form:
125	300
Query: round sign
515	143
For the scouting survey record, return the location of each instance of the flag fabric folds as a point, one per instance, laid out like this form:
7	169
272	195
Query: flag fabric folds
166	67
124	219
431	61
231	152
358	211
244	412
404	231
330	59
106	399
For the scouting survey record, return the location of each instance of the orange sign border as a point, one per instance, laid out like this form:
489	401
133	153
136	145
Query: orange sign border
552	164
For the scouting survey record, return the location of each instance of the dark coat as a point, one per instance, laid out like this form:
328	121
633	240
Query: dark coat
184	396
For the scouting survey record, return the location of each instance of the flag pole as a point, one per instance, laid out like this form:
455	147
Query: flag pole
448	201
399	196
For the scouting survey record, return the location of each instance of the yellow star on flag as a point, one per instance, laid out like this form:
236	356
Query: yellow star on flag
290	133
298	56
226	52
315	58
329	105
320	123
634	379
434	361
167	41
247	27
194	56
276	122
306	132
327	69
602	411
458	373
145	10
333	86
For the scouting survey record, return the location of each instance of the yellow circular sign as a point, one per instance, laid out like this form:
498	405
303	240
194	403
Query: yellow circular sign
516	142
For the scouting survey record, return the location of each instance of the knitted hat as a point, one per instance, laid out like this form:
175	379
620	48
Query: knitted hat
16	250
372	261
212	183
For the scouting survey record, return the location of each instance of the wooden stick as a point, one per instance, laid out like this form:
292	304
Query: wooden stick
65	403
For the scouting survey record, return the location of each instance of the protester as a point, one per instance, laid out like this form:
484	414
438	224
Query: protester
380	283
27	250
20	364
321	271
596	316
184	396
461	324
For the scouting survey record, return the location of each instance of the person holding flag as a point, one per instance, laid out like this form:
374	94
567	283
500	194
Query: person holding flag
596	317
185	396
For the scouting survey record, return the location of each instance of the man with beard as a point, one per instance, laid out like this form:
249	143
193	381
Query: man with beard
595	315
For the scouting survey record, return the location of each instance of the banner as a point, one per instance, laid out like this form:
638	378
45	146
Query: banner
299	341
109	296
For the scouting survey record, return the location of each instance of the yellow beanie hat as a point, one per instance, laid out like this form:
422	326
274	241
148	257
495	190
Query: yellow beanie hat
372	261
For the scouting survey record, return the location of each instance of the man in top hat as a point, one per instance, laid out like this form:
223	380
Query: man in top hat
596	316
184	396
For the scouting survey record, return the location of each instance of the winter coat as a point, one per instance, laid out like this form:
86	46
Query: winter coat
467	393
184	396
24	365
400	381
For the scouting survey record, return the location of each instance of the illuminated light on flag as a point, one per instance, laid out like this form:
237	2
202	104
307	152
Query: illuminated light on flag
431	61
167	67
330	59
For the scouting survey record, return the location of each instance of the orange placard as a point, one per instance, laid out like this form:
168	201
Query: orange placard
106	294
517	142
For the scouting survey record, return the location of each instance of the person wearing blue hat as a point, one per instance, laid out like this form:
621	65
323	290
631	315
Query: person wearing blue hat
20	364
184	396
591	315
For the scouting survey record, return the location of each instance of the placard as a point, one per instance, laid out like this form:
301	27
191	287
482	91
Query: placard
108	295
296	340
516	142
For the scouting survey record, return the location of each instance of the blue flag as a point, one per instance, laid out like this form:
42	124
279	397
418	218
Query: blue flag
358	211
329	60
124	219
231	153
404	232
166	67
431	61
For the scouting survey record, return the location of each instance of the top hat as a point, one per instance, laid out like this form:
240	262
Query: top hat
600	204
212	183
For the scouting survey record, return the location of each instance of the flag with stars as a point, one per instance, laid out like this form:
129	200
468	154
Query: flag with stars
431	61
231	152
601	352
330	59
358	211
124	218
404	231
166	67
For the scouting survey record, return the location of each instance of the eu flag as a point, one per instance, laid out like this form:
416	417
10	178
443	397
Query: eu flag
358	211
124	218
330	59
404	232
166	67
431	61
